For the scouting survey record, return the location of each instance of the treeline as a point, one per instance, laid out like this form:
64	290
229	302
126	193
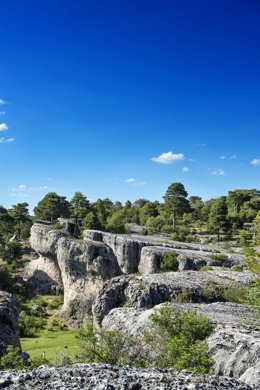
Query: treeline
179	215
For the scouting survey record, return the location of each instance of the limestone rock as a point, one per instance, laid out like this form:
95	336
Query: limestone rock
107	377
234	345
43	274
146	291
84	266
9	312
44	240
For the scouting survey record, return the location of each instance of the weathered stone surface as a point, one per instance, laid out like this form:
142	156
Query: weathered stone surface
84	266
143	253
126	250
234	345
146	291
9	312
106	377
43	274
44	240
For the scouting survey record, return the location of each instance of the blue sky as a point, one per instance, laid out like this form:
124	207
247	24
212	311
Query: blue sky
121	98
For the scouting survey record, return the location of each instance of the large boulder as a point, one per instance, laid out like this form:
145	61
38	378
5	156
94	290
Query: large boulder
107	377
84	267
9	312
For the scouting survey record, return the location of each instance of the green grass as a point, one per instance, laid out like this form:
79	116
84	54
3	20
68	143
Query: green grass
52	345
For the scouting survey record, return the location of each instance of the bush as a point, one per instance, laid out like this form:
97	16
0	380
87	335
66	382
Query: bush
12	251
220	257
15	359
29	325
169	262
174	340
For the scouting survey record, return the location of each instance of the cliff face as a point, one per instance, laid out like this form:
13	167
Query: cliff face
9	312
78	267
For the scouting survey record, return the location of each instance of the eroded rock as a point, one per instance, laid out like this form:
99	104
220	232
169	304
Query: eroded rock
9	312
107	377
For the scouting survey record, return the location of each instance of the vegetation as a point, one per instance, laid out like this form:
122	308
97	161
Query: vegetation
169	262
174	340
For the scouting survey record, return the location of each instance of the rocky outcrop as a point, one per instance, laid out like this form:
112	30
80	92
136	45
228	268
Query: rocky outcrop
126	250
146	291
84	267
138	253
234	345
43	274
9	312
106	377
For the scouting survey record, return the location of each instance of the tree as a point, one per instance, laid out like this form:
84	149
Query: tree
51	207
116	222
103	209
176	202
20	215
91	221
196	204
6	222
80	207
218	216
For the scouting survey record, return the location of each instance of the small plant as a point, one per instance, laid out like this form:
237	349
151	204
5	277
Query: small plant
184	296
56	302
169	262
57	226
30	325
16	360
220	257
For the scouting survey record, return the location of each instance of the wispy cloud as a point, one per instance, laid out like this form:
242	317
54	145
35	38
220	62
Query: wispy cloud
3	127
131	180
185	169
219	172
23	190
168	158
200	144
233	157
222	157
255	162
2	102
2	113
6	140
135	182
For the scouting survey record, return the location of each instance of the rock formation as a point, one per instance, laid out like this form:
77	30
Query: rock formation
9	311
106	377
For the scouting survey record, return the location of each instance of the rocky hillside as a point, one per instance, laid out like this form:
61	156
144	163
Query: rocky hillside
119	279
105	377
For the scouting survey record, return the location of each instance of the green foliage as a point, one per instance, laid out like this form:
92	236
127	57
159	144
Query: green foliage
14	359
175	200
51	207
21	218
116	222
175	339
30	325
219	257
218	219
169	262
103	346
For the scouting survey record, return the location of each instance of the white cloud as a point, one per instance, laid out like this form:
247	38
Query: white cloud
168	158
2	102
222	157
2	113
6	140
24	190
135	182
233	157
219	172
131	180
185	169
3	127
255	162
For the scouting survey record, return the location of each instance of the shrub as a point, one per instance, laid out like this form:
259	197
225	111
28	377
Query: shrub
169	262
175	339
219	257
15	359
29	325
